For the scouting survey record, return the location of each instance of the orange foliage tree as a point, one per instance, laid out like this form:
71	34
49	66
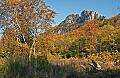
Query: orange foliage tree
90	35
28	18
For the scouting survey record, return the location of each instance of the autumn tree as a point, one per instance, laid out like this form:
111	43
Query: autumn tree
90	35
107	36
28	18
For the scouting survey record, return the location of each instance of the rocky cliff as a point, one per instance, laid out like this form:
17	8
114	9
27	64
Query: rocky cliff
88	15
72	19
85	16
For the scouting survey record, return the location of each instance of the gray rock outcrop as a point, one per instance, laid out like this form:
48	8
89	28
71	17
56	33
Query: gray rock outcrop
70	20
88	15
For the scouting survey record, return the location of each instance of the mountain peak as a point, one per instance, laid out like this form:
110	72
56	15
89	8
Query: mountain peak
84	16
88	15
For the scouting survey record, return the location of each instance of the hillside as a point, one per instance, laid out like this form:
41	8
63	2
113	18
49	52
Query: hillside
81	37
116	20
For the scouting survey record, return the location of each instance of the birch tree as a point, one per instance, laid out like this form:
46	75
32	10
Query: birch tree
28	18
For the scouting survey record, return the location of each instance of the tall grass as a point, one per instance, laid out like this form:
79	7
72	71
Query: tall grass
53	67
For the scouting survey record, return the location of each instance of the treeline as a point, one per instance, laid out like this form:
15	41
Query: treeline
91	38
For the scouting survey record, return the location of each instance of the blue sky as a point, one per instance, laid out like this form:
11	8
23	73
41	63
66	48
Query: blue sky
66	7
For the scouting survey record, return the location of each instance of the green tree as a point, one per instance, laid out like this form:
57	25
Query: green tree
107	37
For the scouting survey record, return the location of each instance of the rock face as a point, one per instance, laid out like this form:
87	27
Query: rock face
88	15
72	19
85	16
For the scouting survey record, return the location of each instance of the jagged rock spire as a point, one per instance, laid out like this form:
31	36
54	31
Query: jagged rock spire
85	16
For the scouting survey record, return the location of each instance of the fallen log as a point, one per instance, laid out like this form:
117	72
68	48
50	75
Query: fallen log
94	65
